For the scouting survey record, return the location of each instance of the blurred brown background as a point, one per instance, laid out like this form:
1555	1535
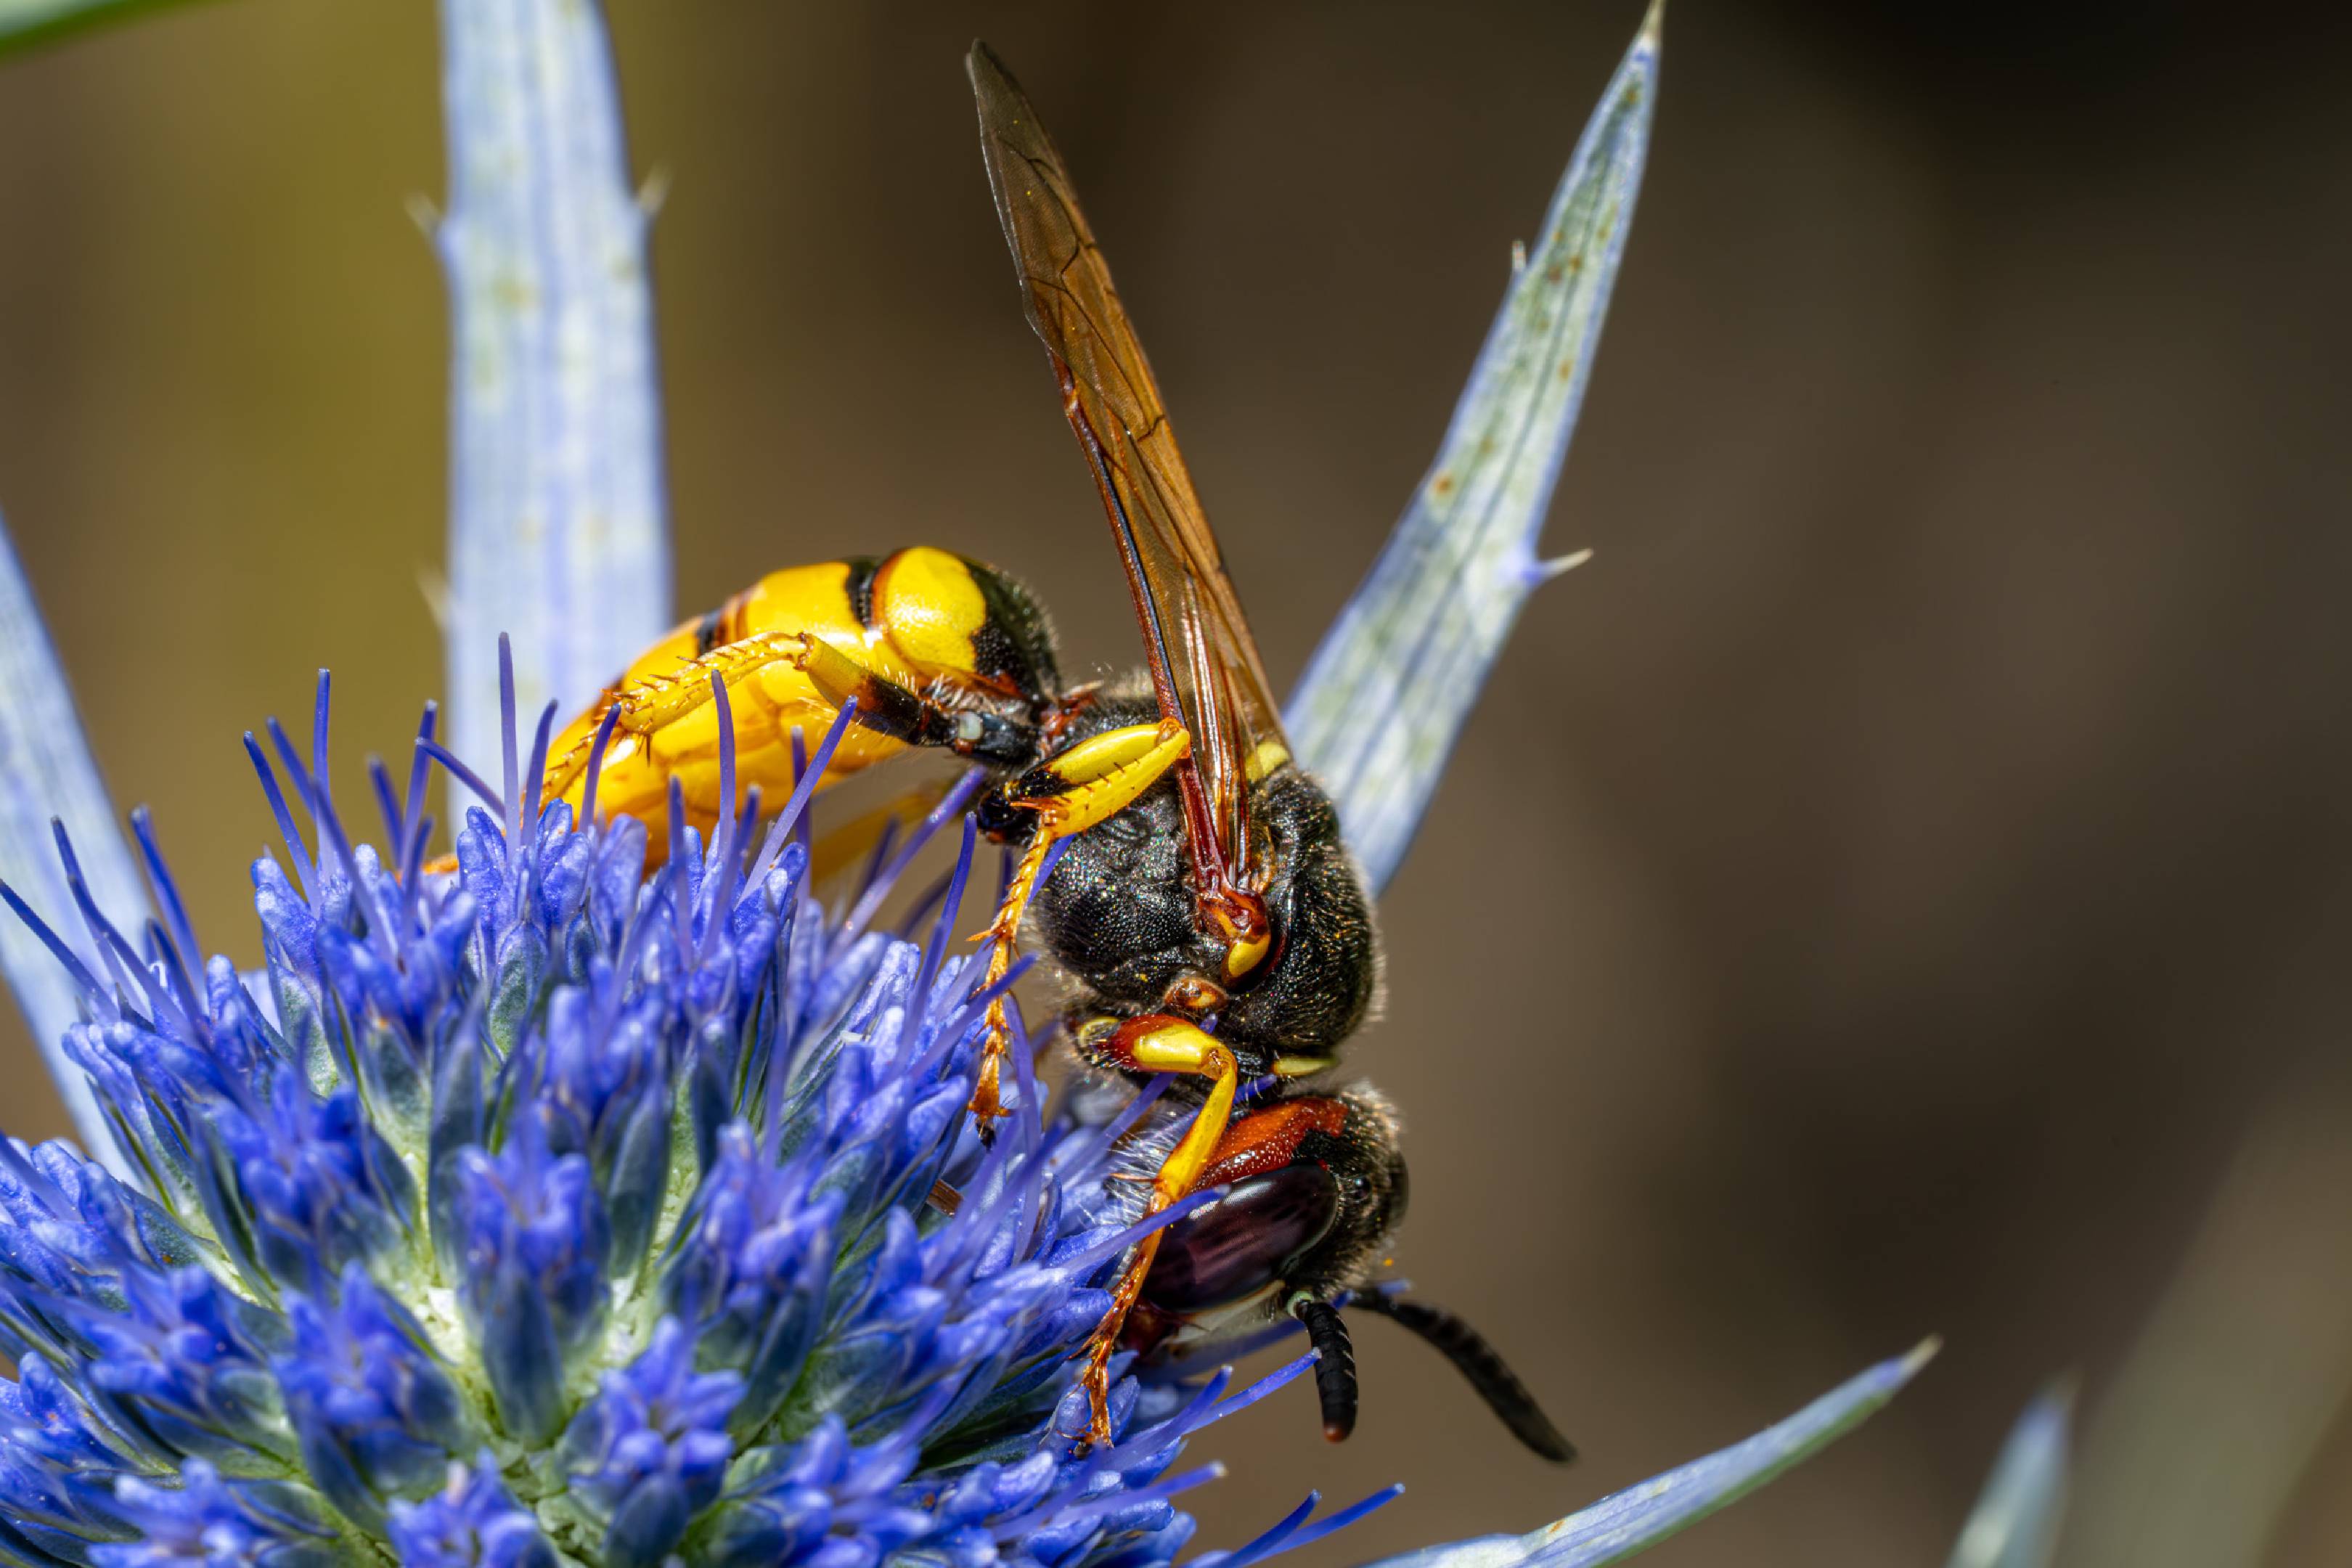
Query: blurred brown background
1888	891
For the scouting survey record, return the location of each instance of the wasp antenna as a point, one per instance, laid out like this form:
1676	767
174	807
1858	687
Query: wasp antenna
1334	1365
1481	1364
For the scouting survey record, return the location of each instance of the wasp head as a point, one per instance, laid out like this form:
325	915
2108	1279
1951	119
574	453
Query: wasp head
1121	914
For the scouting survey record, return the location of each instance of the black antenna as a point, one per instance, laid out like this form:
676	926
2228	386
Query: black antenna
1477	1360
1334	1365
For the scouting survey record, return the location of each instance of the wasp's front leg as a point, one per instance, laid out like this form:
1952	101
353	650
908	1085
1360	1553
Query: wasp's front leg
1155	1043
1099	777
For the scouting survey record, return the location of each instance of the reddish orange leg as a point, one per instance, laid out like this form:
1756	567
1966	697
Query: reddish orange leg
1099	777
1001	937
1156	1043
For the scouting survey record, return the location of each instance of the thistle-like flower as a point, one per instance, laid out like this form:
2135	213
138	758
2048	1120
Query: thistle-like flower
548	1208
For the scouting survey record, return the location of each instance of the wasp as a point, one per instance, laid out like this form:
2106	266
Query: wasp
1203	907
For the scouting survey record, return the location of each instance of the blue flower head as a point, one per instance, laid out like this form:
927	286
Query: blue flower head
546	1206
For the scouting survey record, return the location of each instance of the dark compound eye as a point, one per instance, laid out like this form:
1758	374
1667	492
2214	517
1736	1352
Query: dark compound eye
1244	1241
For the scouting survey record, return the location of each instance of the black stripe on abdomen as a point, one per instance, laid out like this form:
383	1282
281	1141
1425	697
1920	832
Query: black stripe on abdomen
859	586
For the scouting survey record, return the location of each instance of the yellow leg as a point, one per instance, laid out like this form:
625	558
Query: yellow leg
564	768
836	676
663	699
1157	1043
647	703
1099	777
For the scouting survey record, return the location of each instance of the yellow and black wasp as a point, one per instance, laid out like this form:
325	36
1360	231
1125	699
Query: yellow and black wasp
1206	911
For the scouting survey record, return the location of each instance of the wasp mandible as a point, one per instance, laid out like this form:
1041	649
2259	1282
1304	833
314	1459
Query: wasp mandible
1205	911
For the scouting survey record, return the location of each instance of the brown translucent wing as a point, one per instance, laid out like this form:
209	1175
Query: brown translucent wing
1205	663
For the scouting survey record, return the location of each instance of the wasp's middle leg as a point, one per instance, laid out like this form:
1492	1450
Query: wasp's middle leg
1155	1043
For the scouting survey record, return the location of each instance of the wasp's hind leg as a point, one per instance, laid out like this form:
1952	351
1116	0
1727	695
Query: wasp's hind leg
651	703
917	718
1155	1043
1096	778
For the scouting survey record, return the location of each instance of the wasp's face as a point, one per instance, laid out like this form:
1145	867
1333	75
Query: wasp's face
1119	913
1316	983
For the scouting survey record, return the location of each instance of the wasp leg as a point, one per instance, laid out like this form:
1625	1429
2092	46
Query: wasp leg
656	702
883	705
1099	777
903	714
650	703
565	767
1157	1043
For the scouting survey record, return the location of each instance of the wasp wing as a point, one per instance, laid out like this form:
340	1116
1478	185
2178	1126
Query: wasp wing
1205	664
